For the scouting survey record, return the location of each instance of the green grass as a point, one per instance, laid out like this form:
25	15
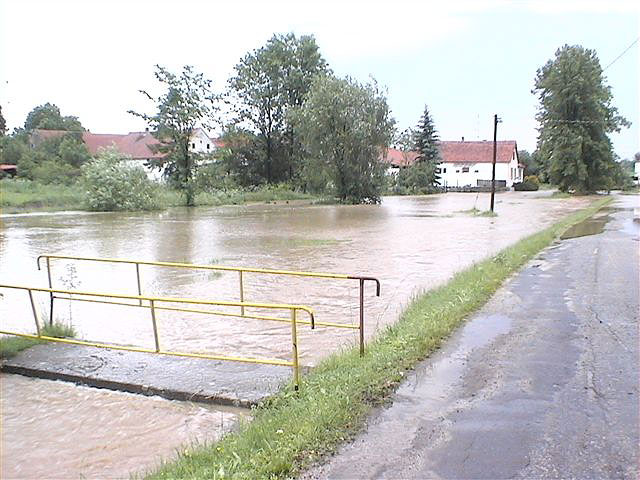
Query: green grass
560	194
19	195
292	430
266	194
479	213
12	345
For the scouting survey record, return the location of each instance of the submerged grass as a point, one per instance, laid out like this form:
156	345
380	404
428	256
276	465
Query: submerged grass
266	194
479	213
292	430
10	346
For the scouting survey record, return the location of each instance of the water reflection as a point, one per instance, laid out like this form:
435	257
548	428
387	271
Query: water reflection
409	243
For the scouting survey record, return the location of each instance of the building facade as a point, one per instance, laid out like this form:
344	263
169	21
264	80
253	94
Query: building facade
467	164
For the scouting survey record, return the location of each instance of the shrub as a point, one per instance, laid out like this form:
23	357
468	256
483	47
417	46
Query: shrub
530	184
112	184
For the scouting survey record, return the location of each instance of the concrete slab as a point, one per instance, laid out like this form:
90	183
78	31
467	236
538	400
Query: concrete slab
174	378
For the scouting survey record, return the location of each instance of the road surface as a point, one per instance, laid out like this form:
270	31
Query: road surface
541	383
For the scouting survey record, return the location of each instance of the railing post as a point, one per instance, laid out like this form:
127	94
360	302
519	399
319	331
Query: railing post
294	340
241	293
155	327
35	314
138	279
50	293
362	317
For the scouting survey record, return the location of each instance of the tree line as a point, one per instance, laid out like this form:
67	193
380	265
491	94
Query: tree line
286	118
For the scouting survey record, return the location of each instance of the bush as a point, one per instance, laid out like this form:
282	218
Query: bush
530	184
111	184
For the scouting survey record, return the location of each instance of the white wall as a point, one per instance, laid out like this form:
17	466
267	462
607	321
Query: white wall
201	143
453	174
152	174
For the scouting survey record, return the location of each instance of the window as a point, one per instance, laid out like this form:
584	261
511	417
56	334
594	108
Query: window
457	171
475	171
444	170
193	145
465	169
207	146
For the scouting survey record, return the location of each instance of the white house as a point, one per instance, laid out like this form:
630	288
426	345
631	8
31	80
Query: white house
467	164
636	173
201	142
138	145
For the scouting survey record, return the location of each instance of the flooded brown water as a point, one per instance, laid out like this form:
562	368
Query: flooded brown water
60	430
409	243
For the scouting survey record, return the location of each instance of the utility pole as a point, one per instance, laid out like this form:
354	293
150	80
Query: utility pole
493	168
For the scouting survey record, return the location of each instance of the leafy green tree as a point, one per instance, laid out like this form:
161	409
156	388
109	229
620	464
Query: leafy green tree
241	157
48	117
187	103
112	184
344	127
268	83
11	149
3	123
575	116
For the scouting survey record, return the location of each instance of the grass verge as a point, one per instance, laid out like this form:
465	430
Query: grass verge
291	431
12	345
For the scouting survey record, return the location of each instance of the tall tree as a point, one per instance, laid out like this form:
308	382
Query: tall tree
425	144
48	117
269	82
3	123
187	104
575	116
345	126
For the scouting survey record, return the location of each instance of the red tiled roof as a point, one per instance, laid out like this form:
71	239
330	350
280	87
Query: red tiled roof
398	158
136	144
459	152
7	166
477	152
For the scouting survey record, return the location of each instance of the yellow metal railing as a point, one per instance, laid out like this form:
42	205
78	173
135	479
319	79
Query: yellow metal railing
241	271
159	303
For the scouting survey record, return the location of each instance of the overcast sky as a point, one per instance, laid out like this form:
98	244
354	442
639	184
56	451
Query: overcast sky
465	60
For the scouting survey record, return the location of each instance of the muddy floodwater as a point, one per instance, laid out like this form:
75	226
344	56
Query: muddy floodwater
409	243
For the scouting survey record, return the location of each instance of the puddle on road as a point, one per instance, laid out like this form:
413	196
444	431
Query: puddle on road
590	226
439	377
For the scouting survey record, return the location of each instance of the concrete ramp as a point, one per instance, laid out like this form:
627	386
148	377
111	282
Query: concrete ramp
174	378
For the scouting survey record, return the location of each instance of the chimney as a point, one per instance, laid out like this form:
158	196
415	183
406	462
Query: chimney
463	139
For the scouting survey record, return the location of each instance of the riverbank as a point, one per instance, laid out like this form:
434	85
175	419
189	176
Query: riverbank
25	196
293	430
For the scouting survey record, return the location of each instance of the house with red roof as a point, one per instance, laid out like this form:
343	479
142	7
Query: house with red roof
468	164
140	146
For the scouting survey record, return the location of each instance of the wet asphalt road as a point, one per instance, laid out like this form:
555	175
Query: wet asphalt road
543	382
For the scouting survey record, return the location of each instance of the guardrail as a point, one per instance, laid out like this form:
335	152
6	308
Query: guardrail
241	271
159	303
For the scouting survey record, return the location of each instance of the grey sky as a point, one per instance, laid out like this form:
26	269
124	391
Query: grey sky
466	60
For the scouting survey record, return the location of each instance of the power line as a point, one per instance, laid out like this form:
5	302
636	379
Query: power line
624	51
